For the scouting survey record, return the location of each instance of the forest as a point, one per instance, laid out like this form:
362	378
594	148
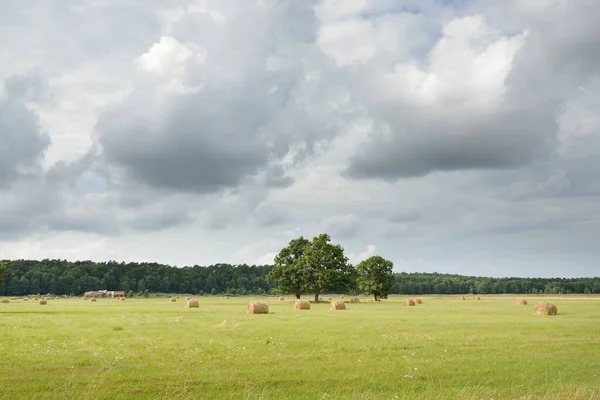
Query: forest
60	277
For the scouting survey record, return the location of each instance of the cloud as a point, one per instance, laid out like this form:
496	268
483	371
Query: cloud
451	136
211	116
22	141
343	226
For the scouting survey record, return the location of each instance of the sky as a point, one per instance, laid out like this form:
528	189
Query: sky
447	136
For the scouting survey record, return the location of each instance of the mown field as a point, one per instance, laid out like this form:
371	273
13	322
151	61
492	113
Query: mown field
445	348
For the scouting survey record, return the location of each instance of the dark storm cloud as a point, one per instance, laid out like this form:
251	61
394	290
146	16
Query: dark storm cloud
559	54
254	105
22	141
436	141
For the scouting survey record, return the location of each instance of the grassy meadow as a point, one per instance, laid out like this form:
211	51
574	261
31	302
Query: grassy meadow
445	348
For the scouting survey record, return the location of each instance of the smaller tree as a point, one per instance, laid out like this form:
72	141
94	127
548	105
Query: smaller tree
375	276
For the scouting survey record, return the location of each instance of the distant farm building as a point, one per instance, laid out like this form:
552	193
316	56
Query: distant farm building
105	293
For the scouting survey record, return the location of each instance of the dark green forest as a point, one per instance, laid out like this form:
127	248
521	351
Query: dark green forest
73	278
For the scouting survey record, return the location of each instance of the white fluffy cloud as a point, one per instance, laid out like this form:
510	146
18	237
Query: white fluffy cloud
449	136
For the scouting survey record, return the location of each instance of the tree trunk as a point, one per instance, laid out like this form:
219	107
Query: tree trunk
374	295
297	296
316	297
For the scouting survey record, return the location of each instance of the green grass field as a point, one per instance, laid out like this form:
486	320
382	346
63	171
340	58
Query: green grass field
445	348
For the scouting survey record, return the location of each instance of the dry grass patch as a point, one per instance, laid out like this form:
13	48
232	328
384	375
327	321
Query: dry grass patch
545	308
257	307
301	305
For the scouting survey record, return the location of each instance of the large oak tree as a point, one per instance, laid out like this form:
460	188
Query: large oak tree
289	271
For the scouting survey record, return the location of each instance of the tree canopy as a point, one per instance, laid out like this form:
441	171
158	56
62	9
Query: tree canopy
3	271
312	267
289	271
375	276
75	277
327	268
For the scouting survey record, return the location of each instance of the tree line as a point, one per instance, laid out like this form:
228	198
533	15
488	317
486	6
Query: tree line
303	267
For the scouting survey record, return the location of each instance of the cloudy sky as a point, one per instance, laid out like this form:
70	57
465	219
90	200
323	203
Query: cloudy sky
458	136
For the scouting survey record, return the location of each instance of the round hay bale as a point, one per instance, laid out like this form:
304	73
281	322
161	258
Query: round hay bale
25	299
191	303
93	300
544	308
43	302
188	298
409	302
522	302
329	299
337	305
478	298
282	299
418	301
121	298
172	300
257	307
355	300
301	305
5	301
463	298
342	297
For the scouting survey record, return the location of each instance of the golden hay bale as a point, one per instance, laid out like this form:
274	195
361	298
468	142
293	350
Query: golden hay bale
25	299
329	299
188	298
337	305
172	300
282	298
93	300
355	300
35	299
5	301
463	297
342	297
418	301
121	298
409	302
544	308
191	303
43	302
301	305
522	302
257	307
478	298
